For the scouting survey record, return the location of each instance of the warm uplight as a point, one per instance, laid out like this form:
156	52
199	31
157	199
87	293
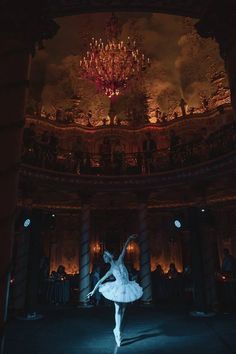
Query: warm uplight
96	247
130	248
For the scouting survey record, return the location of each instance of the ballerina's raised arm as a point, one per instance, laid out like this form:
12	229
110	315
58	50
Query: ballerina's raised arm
130	238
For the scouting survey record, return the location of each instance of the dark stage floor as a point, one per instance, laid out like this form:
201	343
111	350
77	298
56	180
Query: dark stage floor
66	330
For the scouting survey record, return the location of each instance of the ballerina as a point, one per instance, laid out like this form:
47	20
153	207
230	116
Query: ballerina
121	291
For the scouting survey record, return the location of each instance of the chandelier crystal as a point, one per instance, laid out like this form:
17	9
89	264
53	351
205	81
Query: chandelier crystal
113	64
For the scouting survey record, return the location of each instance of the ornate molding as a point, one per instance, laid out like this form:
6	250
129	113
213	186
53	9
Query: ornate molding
190	8
214	168
121	128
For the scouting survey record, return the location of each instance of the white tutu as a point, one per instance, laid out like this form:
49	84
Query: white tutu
126	292
122	289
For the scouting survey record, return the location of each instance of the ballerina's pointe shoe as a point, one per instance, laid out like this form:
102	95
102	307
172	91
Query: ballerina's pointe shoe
117	337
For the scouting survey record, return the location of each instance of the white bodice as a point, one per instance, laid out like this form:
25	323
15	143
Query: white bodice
120	272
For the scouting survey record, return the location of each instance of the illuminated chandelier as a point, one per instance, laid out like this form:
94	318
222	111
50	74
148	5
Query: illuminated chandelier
113	64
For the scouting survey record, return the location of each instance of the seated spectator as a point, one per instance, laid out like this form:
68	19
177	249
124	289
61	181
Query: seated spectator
53	275
61	271
172	272
58	287
158	272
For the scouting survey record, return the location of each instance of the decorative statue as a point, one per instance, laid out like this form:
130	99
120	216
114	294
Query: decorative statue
121	291
183	105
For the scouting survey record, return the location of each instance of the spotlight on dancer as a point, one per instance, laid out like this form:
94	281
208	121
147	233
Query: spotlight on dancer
121	291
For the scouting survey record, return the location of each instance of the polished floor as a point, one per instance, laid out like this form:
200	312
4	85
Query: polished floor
159	330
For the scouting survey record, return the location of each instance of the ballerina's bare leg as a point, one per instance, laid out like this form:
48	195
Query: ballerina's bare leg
119	314
118	320
123	310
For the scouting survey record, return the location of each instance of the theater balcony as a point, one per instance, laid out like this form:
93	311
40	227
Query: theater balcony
108	158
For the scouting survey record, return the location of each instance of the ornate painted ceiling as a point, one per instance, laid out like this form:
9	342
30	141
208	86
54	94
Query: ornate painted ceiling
183	65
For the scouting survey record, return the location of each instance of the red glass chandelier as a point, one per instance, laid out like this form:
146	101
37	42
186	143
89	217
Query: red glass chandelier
113	64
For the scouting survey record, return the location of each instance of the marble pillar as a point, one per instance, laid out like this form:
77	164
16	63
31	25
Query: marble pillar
199	290
84	253
145	265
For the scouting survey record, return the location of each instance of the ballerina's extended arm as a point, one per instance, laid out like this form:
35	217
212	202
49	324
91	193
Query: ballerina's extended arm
130	238
99	282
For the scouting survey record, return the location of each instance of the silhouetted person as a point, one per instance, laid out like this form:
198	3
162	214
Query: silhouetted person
182	105
163	117
105	151
228	263
205	104
191	110
149	148
89	116
158	283
172	272
118	155
176	115
78	155
158	113
61	271
59	115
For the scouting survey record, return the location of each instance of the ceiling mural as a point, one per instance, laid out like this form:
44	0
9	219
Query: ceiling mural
184	68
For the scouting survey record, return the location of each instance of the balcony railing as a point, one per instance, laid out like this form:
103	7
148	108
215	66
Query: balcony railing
138	163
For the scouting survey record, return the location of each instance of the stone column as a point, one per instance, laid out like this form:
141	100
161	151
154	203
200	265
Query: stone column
28	256
218	22
35	253
210	265
21	25
200	302
84	252
145	266
14	72
22	240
